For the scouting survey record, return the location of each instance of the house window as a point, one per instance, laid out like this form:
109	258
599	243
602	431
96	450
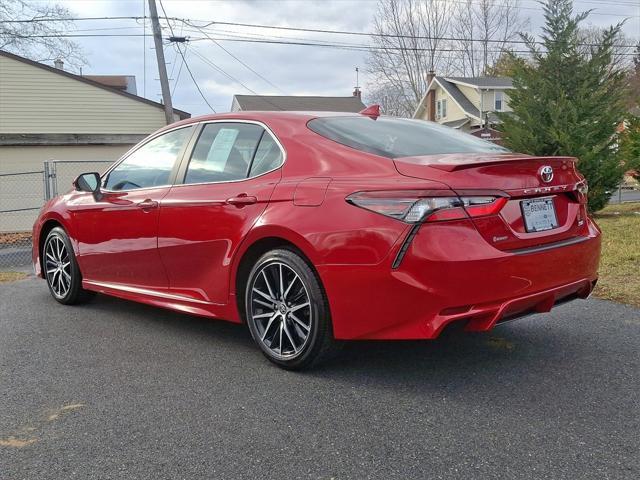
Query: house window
499	96
444	108
439	109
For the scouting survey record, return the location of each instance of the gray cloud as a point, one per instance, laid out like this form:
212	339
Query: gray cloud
295	69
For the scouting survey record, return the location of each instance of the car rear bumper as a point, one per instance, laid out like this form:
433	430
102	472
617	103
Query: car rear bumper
450	273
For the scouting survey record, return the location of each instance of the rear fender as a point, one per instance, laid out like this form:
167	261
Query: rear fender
260	232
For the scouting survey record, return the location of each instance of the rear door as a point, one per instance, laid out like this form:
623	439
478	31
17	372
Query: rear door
117	229
226	184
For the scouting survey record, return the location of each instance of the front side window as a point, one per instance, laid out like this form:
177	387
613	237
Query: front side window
439	108
151	164
398	137
232	151
444	107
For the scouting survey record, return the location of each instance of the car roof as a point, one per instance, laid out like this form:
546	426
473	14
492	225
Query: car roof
261	116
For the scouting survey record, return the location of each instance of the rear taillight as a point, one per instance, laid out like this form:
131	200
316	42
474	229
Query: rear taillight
582	189
432	206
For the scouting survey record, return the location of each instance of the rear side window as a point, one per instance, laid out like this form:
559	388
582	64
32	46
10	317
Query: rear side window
268	156
151	164
398	137
231	151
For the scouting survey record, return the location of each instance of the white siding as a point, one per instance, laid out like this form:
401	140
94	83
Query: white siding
471	93
454	112
28	158
35	100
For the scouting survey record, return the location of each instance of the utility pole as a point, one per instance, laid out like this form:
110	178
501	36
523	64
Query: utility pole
162	67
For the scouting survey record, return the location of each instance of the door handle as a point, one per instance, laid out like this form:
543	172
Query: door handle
242	199
148	204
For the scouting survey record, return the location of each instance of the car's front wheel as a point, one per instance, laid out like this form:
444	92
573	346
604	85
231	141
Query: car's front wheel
60	269
287	310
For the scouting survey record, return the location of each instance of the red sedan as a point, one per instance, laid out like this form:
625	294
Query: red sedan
312	228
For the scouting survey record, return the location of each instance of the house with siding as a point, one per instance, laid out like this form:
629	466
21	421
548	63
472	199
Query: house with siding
47	113
465	103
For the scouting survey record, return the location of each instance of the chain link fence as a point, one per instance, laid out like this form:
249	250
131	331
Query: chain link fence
22	195
62	173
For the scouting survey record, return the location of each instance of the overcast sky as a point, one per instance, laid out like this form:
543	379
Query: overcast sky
295	70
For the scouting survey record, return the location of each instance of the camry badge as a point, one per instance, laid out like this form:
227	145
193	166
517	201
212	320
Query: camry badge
546	173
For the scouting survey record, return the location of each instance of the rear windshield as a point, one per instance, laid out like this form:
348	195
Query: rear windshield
399	137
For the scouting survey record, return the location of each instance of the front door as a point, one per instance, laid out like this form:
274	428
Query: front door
227	184
117	230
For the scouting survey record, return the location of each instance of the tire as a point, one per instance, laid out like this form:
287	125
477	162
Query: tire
60	269
290	334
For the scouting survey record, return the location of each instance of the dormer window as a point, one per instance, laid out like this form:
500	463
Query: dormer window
499	99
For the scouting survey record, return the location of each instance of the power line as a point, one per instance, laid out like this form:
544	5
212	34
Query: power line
240	61
232	78
354	47
301	29
194	80
370	34
144	49
519	7
363	47
220	70
184	61
175	83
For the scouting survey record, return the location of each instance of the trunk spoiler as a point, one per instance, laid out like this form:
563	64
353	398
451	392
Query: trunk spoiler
455	162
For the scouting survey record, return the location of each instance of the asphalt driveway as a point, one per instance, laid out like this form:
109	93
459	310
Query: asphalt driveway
118	390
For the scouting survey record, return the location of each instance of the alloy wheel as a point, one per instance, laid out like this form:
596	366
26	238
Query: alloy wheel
57	266
280	310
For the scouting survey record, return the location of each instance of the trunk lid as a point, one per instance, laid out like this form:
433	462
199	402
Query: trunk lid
519	178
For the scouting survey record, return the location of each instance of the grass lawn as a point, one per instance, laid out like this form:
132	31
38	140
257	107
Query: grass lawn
620	263
11	276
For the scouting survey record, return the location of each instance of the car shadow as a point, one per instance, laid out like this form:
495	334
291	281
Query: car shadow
147	316
503	353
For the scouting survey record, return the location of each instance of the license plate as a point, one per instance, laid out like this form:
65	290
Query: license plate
539	214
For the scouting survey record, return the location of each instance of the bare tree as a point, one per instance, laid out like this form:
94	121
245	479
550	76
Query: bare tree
408	44
413	37
36	30
390	100
483	30
591	38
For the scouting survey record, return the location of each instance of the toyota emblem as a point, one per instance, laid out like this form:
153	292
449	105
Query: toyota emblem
546	174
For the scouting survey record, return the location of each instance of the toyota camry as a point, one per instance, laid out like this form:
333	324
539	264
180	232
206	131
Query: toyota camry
313	228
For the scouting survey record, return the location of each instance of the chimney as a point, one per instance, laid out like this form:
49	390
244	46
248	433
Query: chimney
431	98
357	92
59	64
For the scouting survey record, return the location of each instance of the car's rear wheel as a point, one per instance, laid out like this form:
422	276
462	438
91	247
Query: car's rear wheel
287	310
60	269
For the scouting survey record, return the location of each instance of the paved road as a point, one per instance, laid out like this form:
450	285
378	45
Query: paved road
119	390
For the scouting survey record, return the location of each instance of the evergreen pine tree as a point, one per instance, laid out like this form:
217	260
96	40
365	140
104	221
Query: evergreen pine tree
568	102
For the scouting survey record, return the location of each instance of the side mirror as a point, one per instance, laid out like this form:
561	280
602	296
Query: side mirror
88	182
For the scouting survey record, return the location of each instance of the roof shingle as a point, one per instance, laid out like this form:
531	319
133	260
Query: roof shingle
299	103
459	97
484	82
